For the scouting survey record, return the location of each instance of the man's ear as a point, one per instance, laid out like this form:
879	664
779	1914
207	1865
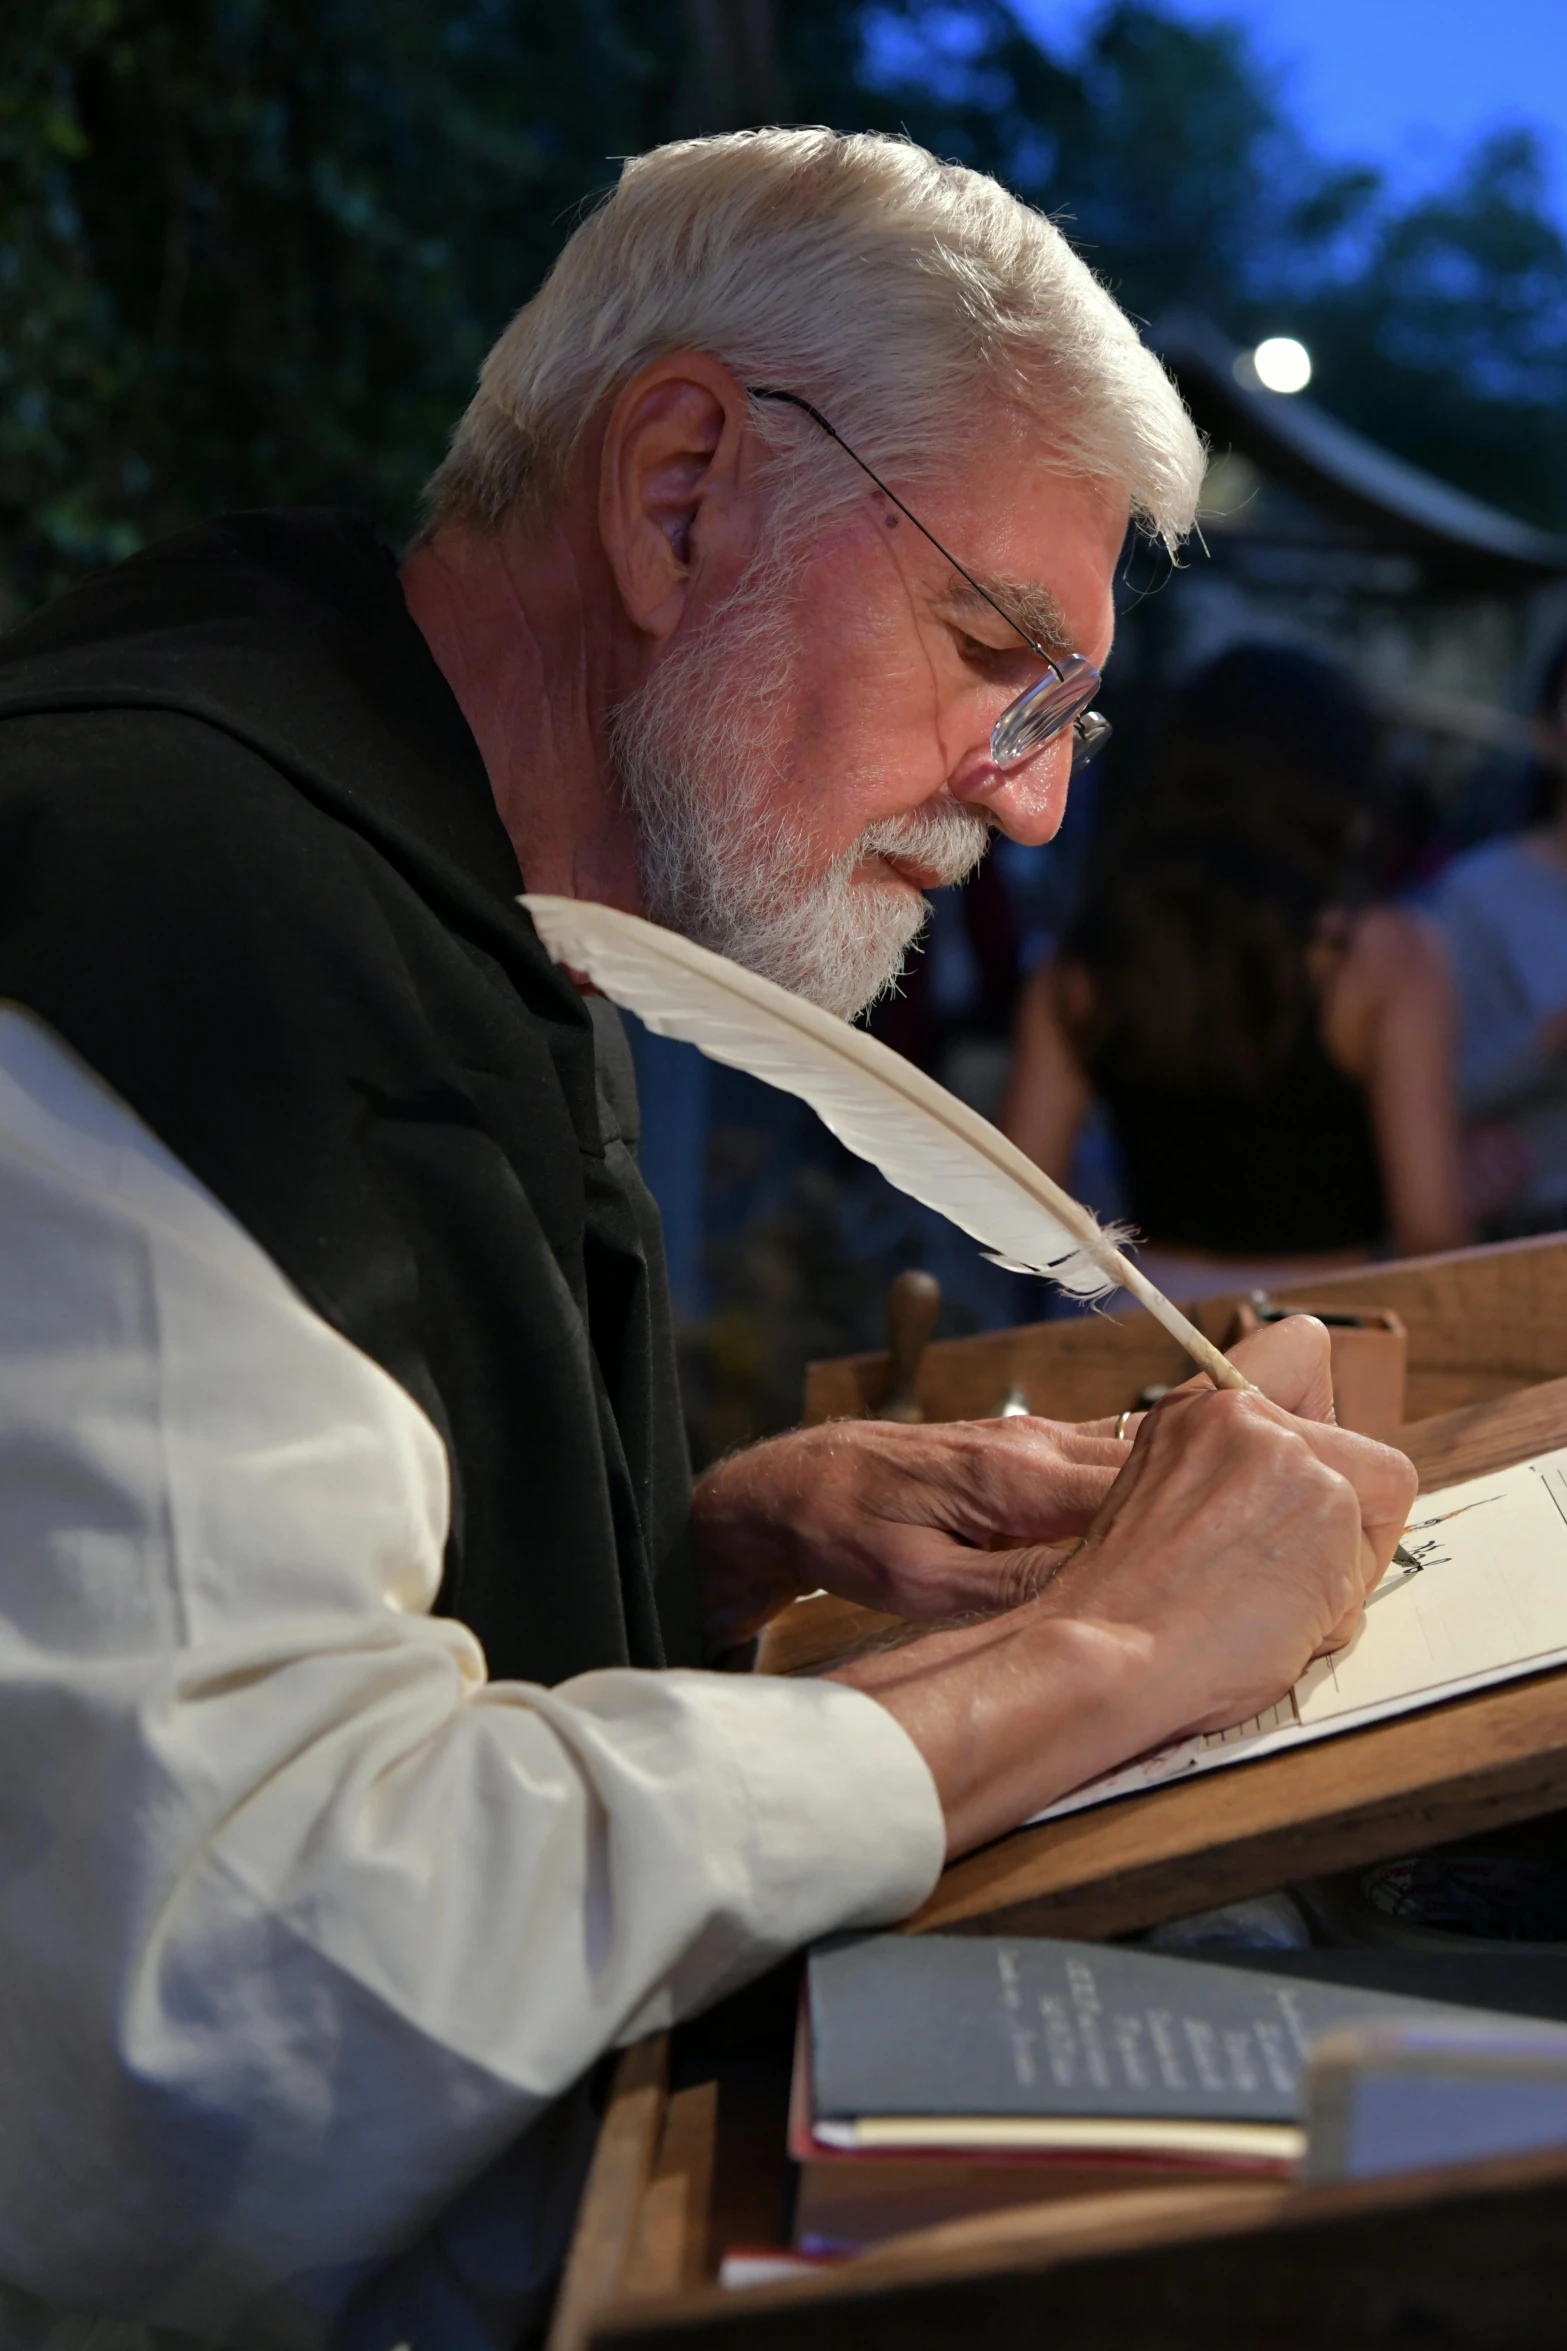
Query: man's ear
670	496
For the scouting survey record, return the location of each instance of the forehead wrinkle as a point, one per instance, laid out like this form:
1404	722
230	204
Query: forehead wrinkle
1026	601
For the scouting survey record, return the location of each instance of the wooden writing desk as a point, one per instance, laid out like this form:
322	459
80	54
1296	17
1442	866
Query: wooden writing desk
1468	2256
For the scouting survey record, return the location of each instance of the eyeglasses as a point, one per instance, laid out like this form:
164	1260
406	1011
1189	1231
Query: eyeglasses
1043	712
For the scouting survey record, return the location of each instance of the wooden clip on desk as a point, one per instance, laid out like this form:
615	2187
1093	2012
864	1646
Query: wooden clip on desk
1466	2256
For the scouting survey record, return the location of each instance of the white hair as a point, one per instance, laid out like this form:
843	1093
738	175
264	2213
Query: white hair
893	291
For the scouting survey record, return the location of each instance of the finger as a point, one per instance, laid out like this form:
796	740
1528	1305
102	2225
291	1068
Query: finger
1384	1480
933	1577
1027	1435
1289	1362
1340	1637
1385	1485
1292	1363
1030	1479
1021	1574
1111	1425
1343	1632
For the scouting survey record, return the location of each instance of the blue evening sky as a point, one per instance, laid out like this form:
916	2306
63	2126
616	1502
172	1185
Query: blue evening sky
1408	85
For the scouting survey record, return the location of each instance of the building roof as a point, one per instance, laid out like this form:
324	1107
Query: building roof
1323	461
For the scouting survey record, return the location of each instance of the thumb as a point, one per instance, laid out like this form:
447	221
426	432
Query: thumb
1292	1363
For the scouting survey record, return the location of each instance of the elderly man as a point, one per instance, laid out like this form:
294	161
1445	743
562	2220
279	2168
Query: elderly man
363	1782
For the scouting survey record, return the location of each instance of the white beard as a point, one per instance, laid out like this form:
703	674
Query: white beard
694	753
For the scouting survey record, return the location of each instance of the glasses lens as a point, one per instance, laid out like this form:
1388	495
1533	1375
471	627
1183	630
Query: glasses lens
1037	717
1091	734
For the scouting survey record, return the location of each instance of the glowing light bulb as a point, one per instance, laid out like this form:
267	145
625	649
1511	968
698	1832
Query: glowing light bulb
1282	364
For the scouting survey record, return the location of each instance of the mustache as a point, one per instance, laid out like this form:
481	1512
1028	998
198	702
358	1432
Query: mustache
947	839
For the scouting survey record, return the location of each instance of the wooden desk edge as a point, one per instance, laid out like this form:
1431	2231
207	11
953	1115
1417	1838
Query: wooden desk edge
1036	2244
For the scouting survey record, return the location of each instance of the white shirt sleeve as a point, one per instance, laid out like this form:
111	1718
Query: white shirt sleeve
304	1921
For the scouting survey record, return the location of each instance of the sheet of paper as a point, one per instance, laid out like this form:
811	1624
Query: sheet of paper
1487	1602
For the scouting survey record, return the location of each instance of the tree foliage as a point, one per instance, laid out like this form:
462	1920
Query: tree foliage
1450	343
251	251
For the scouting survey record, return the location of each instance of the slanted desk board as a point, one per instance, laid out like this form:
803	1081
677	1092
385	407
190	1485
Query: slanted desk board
1468	2256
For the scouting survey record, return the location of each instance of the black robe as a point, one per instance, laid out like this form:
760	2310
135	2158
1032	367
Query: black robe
251	871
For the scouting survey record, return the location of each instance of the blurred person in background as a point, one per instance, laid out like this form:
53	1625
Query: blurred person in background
1273	1056
1504	909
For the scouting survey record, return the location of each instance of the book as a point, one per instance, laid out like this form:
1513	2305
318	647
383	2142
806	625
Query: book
1484	1602
1404	2097
942	2075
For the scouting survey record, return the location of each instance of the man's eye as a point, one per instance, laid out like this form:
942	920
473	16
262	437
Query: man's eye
991	658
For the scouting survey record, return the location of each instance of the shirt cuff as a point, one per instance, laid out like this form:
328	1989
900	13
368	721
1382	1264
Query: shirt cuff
849	1827
817	1814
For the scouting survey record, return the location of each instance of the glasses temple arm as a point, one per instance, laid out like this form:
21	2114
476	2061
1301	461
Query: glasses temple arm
760	392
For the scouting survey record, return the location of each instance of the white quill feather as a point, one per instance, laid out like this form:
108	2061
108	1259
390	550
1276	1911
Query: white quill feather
921	1137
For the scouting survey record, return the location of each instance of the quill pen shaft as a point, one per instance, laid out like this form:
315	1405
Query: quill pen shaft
1202	1351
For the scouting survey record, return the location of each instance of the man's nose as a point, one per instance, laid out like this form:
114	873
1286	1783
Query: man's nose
1026	802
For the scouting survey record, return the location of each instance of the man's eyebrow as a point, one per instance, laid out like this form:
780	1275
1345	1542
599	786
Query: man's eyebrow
1026	602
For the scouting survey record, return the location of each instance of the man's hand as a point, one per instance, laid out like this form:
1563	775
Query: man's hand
1239	1543
953	1519
923	1523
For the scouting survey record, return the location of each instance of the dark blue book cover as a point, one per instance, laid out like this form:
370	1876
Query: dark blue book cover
958	2025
